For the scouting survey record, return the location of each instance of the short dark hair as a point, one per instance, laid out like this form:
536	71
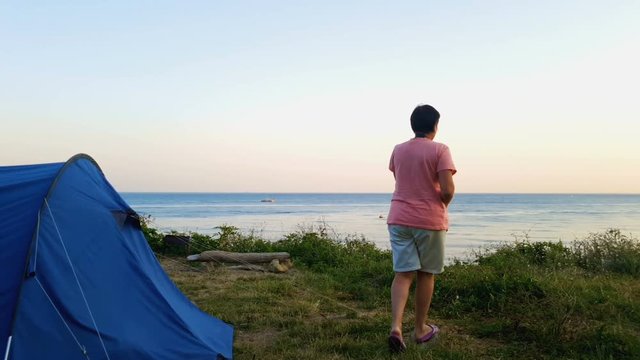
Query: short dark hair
424	119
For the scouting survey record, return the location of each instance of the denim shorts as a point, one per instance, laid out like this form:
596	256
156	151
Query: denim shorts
417	249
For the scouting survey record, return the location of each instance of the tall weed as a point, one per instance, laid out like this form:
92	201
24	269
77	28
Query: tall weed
610	251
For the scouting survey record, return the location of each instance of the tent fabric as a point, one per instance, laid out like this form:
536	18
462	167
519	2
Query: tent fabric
94	288
22	189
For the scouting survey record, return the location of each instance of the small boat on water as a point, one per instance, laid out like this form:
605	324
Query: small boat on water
267	200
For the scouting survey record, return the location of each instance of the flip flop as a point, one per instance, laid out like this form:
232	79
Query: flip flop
429	336
396	344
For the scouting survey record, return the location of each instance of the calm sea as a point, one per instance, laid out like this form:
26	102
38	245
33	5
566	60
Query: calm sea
476	220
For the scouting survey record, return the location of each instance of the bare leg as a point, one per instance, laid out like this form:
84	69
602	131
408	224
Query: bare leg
424	293
399	295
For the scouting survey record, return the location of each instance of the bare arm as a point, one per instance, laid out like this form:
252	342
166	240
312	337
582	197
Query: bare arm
447	187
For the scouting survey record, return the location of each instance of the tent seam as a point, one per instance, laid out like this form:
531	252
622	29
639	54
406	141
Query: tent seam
50	191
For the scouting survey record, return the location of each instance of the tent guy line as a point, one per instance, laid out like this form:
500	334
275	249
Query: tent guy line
35	258
75	276
83	349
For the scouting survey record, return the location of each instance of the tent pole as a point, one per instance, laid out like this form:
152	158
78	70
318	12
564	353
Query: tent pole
6	354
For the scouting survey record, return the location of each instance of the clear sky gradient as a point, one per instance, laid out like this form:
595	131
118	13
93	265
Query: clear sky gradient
301	96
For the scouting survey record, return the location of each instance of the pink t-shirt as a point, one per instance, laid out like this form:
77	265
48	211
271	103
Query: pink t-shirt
416	200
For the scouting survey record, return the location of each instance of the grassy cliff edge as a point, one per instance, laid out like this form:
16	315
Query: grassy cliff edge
523	299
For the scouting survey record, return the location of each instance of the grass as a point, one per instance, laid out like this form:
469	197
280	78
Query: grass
522	300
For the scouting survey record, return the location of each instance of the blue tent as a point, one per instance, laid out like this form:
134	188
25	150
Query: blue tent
78	279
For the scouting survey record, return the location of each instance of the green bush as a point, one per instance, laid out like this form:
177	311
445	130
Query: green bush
480	288
353	264
231	239
201	242
609	342
315	251
610	251
153	236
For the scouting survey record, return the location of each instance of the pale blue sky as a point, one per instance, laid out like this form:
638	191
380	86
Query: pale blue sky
288	96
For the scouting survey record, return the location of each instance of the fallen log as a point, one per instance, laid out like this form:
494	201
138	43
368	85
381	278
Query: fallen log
240	258
250	267
274	266
278	262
